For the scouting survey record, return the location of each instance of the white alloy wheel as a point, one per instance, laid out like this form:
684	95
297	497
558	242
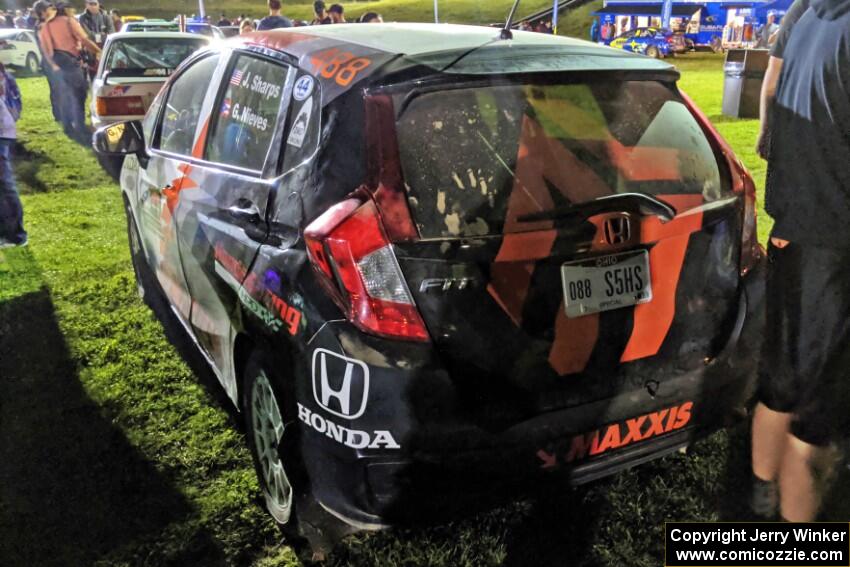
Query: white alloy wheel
267	428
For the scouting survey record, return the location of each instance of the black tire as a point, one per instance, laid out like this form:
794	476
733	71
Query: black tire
653	52
32	65
111	165
137	256
259	371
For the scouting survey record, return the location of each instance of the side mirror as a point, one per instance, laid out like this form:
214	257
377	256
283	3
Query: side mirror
120	139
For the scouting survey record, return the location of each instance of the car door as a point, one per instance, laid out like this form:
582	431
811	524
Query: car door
623	41
163	180
223	222
19	54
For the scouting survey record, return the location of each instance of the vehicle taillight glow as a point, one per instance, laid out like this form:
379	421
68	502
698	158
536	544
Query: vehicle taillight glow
119	106
742	182
351	253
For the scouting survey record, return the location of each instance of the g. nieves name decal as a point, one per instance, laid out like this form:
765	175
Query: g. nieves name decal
619	435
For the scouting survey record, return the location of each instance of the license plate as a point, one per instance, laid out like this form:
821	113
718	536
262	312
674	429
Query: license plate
606	282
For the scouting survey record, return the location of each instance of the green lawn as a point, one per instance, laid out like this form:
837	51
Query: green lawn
114	453
455	11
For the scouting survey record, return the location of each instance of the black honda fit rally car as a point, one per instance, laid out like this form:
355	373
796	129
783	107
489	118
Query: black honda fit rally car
416	255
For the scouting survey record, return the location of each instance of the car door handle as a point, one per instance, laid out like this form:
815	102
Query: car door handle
248	213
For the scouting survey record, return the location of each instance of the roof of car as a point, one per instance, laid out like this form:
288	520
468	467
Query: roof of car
418	39
438	44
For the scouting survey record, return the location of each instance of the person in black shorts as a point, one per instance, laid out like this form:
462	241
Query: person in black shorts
804	375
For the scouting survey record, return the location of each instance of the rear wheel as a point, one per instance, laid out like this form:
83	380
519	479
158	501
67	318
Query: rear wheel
271	436
32	64
653	52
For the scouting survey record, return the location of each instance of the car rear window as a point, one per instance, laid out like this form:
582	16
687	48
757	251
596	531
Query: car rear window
475	159
150	56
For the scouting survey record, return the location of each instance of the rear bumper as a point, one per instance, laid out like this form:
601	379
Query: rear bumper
99	121
440	460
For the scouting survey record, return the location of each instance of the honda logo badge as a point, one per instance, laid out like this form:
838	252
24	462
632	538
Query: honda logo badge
340	384
618	230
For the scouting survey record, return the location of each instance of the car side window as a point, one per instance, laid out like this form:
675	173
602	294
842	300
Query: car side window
244	126
149	121
183	106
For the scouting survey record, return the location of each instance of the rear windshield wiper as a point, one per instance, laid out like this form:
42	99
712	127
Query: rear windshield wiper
645	204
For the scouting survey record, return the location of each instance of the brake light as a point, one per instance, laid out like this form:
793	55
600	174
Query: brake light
350	251
119	106
742	183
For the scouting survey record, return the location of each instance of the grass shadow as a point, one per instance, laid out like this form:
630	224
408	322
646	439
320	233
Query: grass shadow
72	487
28	164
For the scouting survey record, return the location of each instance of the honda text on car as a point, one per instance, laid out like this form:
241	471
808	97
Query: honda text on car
421	256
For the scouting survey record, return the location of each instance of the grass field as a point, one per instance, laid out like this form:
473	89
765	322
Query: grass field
114	453
456	11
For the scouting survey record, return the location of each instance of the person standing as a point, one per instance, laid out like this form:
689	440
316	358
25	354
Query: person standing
97	24
774	68
12	231
44	11
336	13
320	14
594	30
223	22
371	18
767	31
117	24
804	374
274	20
62	39
246	27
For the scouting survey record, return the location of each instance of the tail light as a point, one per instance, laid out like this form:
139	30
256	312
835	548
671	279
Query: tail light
349	249
742	183
119	105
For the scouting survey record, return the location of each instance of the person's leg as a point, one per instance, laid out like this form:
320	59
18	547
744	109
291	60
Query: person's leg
802	477
81	129
53	83
11	211
65	96
770	434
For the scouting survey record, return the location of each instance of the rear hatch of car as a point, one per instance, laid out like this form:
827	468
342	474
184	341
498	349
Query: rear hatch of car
577	238
135	70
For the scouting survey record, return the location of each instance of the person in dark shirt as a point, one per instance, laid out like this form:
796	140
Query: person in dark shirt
223	22
274	20
804	386
774	68
321	15
336	12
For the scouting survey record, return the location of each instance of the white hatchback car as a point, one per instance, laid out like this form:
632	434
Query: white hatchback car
19	50
133	68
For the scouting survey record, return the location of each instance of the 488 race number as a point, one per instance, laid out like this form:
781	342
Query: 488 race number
341	66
